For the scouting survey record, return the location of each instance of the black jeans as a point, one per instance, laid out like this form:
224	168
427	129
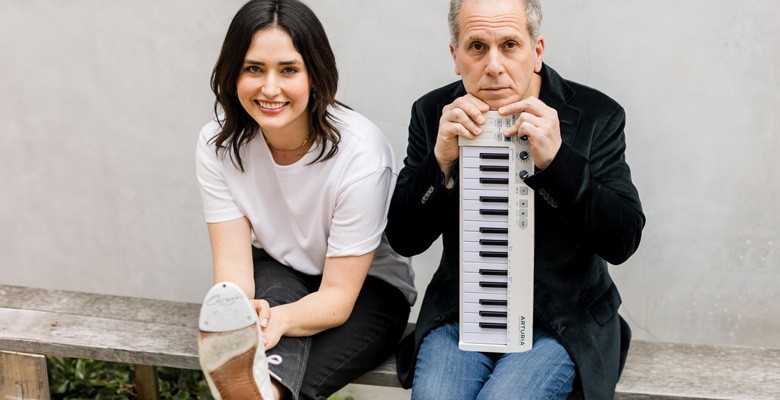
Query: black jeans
315	367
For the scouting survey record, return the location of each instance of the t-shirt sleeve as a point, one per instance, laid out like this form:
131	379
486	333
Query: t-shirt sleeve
360	215
219	205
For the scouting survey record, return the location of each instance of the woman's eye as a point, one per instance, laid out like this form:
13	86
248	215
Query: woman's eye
252	69
289	71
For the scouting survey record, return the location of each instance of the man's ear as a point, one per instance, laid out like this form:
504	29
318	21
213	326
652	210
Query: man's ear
454	59
539	53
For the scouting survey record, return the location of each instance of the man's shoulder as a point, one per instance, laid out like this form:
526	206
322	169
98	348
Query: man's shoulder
578	95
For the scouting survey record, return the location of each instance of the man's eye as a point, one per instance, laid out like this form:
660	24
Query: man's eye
511	45
478	46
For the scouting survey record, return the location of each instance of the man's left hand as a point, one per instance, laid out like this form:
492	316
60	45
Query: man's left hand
540	123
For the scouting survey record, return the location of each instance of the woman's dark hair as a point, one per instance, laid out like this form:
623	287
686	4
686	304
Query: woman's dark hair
308	37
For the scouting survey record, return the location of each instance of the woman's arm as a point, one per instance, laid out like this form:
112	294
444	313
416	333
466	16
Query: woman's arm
231	249
328	307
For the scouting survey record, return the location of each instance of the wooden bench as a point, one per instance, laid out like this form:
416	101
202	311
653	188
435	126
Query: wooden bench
151	333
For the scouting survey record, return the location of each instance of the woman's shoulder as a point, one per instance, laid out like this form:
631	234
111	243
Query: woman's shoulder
360	136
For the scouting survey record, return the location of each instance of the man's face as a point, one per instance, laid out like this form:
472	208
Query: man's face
495	56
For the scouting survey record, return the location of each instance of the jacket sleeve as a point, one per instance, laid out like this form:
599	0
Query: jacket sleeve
417	209
594	193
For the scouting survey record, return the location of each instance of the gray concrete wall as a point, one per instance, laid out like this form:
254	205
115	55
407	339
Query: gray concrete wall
102	102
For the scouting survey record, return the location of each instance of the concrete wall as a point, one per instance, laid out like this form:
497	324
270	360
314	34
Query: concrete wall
102	102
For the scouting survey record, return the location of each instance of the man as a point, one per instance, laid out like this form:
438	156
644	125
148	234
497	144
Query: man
588	213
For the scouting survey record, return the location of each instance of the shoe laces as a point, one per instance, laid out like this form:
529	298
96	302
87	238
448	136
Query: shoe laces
275	360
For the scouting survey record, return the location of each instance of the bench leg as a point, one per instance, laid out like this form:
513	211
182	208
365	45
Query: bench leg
23	376
146	382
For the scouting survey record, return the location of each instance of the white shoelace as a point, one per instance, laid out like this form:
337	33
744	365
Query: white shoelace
275	360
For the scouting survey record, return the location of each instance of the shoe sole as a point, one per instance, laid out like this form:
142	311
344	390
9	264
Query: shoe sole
228	339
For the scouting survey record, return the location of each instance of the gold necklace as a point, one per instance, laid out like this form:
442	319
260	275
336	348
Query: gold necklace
287	151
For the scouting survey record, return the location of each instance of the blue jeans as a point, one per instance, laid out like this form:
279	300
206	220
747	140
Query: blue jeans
445	372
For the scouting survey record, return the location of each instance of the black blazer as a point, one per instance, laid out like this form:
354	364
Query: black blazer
588	213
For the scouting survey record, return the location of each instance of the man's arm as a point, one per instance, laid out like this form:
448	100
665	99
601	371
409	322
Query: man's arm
594	192
417	209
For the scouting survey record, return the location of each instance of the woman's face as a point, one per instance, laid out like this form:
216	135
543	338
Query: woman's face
273	85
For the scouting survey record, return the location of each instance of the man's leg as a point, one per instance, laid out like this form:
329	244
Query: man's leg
544	372
443	371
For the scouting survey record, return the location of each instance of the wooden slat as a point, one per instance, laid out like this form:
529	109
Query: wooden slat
678	370
104	339
23	376
99	305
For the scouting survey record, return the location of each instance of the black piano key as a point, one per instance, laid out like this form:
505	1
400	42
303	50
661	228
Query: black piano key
493	230
493	242
497	272
492	325
498	314
494	254
494	156
494	181
486	284
494	168
493	199
491	302
489	211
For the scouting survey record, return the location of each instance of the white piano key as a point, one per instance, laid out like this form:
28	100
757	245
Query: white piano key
475	297
475	184
471	215
475	257
475	236
476	194
473	277
476	308
476	205
476	318
476	248
475	288
473	226
472	173
482	338
475	151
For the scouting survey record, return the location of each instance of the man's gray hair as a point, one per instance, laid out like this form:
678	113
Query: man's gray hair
533	14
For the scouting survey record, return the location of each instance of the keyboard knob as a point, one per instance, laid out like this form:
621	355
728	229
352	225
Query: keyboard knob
524	155
523	174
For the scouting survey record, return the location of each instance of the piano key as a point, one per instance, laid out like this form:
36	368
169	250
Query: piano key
491	284
477	173
492	302
493	242
476	318
475	308
490	271
486	155
494	168
474	215
475	237
497	314
495	181
468	163
492	325
472	256
476	298
473	193
475	277
493	230
493	211
475	151
493	199
476	205
494	254
480	337
469	287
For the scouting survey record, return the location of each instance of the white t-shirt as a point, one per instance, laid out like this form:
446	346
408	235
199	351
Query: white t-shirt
302	213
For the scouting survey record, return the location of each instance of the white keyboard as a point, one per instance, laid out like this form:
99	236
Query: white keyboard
496	241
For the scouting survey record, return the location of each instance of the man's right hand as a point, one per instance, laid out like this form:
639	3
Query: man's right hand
462	117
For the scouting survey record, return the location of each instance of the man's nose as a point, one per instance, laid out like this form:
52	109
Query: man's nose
495	63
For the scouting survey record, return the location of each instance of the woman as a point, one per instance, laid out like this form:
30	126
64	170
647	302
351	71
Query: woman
295	189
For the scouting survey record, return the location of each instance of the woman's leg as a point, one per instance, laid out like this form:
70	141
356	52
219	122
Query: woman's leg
280	284
444	371
544	372
372	332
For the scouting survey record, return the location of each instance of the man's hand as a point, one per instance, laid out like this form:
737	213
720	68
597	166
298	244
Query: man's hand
540	123
462	117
